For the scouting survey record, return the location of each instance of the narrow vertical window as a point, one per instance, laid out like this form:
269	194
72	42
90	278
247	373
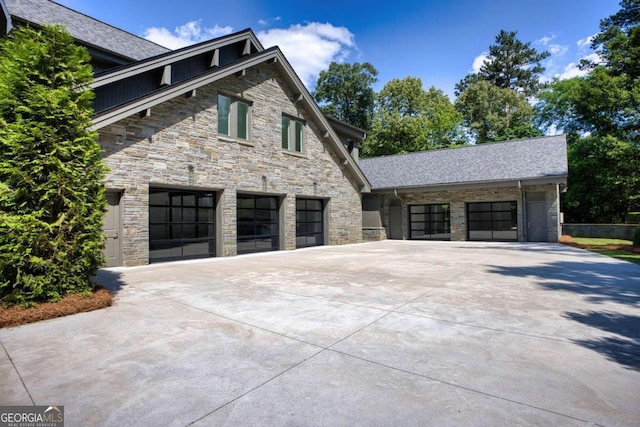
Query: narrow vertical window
243	120
286	122
224	114
299	137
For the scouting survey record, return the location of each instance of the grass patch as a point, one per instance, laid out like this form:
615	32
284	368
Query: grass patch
600	242
615	248
620	254
70	304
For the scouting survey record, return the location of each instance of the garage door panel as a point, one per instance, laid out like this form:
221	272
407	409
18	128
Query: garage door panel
181	224
309	222
257	223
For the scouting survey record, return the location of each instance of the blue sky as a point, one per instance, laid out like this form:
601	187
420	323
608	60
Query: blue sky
439	41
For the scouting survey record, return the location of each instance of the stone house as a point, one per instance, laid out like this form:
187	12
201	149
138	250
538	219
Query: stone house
218	149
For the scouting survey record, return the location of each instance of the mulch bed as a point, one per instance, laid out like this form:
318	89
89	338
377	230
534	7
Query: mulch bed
70	304
567	240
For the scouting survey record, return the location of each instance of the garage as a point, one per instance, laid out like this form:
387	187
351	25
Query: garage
492	221
309	223
181	224
258	223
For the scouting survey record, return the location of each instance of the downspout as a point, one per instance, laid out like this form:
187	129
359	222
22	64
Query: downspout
523	197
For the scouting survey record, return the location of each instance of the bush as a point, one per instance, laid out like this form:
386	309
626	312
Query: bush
636	237
51	196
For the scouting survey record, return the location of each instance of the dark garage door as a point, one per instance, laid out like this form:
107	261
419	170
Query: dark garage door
309	223
492	221
181	224
430	222
257	223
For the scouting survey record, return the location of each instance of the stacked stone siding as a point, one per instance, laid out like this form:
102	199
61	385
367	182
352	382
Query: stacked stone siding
458	199
178	146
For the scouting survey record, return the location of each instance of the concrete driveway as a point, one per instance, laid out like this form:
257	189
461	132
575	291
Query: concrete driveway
388	333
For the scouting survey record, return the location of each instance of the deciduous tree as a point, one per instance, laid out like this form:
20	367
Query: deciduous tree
408	118
345	92
492	113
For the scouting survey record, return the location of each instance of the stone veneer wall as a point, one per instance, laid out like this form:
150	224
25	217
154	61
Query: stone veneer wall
458	199
178	146
608	231
374	234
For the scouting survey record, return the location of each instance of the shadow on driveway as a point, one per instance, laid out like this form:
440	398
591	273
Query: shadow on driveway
598	283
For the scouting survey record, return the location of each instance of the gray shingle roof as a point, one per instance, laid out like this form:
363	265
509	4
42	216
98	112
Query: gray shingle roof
500	161
85	28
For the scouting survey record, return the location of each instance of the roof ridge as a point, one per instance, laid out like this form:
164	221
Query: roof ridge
467	146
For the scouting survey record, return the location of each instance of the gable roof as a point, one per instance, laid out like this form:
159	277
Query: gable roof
161	78
85	29
536	160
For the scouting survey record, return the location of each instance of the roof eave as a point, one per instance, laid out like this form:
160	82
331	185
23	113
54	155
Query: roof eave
172	57
512	182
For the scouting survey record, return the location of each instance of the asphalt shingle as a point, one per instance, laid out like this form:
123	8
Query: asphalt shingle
500	161
84	28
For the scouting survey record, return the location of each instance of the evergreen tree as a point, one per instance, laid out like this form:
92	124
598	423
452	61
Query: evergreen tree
511	64
51	196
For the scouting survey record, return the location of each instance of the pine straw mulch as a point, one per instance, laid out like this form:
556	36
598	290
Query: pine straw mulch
70	304
568	240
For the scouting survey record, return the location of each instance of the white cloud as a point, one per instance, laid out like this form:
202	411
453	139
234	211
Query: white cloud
311	47
546	39
573	69
585	43
184	35
558	50
478	61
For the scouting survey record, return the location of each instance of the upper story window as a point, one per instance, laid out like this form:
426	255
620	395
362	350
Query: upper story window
233	117
292	134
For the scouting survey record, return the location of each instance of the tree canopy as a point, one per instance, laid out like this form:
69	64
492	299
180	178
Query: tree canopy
494	101
510	64
601	113
51	195
407	118
345	92
492	113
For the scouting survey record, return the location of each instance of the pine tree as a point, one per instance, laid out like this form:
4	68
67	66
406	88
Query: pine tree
51	196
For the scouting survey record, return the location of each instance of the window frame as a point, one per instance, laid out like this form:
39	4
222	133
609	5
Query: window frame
295	133
233	118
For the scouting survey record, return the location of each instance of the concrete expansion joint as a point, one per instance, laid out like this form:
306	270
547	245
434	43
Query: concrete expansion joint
15	368
494	396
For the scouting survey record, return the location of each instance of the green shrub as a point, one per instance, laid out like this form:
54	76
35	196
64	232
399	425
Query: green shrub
51	196
636	237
